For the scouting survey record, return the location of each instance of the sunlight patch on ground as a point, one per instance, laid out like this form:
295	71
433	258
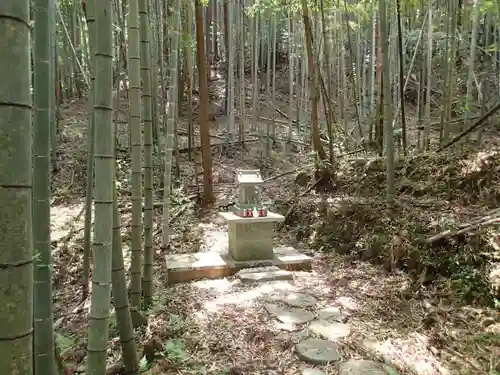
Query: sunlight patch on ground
230	316
348	303
479	163
312	283
127	254
369	288
226	292
63	218
218	286
248	297
412	352
233	292
494	274
214	238
494	240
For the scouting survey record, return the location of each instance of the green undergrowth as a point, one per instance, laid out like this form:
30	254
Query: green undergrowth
466	177
434	194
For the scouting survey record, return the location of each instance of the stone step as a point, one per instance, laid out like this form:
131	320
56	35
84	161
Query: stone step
289	315
263	275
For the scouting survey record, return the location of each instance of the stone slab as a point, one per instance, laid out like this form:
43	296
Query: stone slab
239	265
289	315
207	265
270	218
248	176
258	269
291	259
196	266
332	314
272	275
286	258
299	300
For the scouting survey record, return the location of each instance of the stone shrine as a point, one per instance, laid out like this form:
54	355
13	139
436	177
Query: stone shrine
250	240
249	204
250	225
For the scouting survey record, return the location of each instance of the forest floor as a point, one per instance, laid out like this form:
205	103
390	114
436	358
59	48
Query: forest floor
425	308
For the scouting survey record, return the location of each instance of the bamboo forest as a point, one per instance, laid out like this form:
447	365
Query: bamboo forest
250	187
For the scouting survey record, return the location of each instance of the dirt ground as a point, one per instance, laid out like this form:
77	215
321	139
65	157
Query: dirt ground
421	326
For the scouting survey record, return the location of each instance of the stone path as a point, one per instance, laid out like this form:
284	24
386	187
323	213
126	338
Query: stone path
319	332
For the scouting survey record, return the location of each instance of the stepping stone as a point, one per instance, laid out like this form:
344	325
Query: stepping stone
332	314
318	352
332	331
300	300
312	371
261	276
289	315
365	367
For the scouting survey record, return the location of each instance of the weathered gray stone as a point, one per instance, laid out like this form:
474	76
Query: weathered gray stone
332	331
214	265
300	300
365	367
312	371
251	238
288	314
250	241
318	352
331	314
271	275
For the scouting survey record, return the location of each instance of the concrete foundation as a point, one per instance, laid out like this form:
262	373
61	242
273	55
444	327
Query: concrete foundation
250	245
197	266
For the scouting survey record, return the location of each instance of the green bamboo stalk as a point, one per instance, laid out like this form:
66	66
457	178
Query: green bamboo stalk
136	145
44	360
16	245
148	151
104	170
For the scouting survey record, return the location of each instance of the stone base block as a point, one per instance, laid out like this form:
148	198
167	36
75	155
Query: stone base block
251	238
250	241
197	266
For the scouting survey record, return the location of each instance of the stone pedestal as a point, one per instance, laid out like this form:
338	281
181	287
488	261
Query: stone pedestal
197	266
251	238
250	242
